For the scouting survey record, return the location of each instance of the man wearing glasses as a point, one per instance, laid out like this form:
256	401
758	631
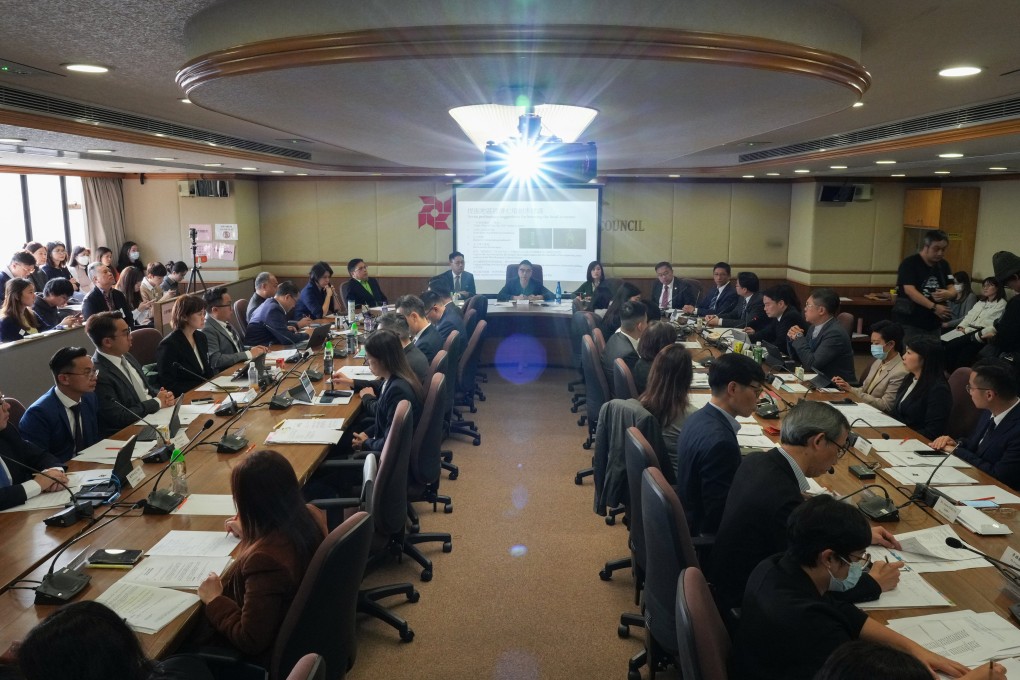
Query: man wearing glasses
768	487
16	482
994	445
362	288
225	346
707	451
65	419
825	345
21	267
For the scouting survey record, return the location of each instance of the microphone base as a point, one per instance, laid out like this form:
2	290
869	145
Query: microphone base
767	411
879	509
314	375
61	586
70	515
281	402
923	493
162	502
228	408
231	443
160	454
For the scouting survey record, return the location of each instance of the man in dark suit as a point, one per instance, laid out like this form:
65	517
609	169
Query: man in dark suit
225	347
524	287
16	482
721	298
825	346
104	296
767	487
749	314
396	324
781	306
120	376
22	266
65	419
361	288
460	283
269	324
265	289
624	342
994	445
707	451
669	292
426	337
50	299
440	310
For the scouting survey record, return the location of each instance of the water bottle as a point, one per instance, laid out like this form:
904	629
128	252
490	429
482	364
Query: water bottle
327	360
253	376
385	308
352	309
559	293
178	474
369	322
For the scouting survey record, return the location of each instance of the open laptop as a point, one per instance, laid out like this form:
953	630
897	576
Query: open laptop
318	337
304	391
149	433
105	491
820	380
773	357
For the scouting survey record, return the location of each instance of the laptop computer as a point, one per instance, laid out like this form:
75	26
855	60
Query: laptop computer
149	433
304	391
773	357
105	491
820	380
318	337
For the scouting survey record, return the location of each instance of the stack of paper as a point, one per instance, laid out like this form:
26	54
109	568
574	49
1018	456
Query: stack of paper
145	608
307	431
911	591
175	572
195	544
58	499
207	504
983	492
965	636
357	372
105	451
700	381
869	415
186	414
904	458
925	550
920	475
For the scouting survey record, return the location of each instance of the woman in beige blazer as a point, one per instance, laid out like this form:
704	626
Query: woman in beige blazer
887	373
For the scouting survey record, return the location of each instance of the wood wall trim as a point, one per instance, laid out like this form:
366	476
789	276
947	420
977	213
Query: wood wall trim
28	170
577	40
842	271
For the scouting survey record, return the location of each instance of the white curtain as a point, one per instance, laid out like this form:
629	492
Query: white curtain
104	207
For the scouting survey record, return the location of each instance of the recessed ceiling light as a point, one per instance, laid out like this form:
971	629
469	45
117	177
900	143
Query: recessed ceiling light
885	162
185	101
674	176
212	165
837	167
959	71
302	174
801	171
449	174
164	158
211	143
941	172
748	176
100	150
900	174
58	163
249	168
997	167
772	174
950	155
159	134
276	172
12	140
86	68
858	105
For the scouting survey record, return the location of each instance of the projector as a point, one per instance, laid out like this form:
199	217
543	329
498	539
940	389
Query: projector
560	161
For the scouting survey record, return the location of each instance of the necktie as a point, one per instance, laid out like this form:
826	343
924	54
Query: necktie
79	436
664	302
109	302
233	336
711	303
988	432
456	283
136	381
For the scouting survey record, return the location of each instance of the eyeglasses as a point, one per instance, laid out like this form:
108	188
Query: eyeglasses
970	387
864	560
362	268
843	448
758	389
90	373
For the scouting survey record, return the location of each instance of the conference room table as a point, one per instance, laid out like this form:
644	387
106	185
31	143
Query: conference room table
30	546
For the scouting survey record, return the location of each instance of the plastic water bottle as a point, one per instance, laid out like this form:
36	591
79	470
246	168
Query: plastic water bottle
385	308
352	309
253	376
559	293
178	474
327	360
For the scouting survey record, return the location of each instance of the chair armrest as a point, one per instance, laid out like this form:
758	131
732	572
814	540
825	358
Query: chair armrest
346	464
328	503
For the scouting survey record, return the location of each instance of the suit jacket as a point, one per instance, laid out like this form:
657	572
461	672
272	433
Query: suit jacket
618	347
310	302
46	426
222	350
268	326
707	459
681	294
112	385
513	289
12	331
467	283
12	446
254	302
353	290
429	342
95	302
1007	328
999	453
926	410
829	353
609	463
888	377
419	364
174	349
452	320
775	331
395	390
753	526
724	305
748	312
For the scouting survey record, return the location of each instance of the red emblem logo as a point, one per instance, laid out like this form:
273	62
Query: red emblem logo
435	212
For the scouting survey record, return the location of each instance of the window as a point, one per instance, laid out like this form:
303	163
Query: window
76	213
55	208
12	217
46	208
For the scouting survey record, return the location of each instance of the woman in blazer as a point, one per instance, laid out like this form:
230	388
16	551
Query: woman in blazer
17	320
318	299
887	373
56	263
925	400
245	607
387	360
594	293
667	396
186	346
657	335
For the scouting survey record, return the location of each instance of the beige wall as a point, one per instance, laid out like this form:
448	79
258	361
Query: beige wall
998	226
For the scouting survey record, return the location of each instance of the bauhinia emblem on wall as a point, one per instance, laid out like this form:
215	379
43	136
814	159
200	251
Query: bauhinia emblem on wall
435	212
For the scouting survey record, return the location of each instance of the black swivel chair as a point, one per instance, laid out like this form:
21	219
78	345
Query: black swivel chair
596	393
702	638
624	386
480	304
581	324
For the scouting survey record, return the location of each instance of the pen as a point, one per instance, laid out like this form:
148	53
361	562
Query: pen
251	448
987	498
279	425
905	441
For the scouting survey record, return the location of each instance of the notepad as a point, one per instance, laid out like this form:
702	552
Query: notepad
911	591
221	505
920	475
195	544
146	609
175	572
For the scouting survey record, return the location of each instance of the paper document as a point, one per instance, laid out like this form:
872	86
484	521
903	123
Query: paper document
296	436
931	542
207	504
911	591
816	489
187	415
312	424
755	441
700	381
175	572
57	499
146	609
871	416
690	345
357	372
965	636
223	384
920	475
786	377
899	444
793	387
699	400
748	429
911	459
271	357
195	544
952	335
746	420
923	564
105	451
981	492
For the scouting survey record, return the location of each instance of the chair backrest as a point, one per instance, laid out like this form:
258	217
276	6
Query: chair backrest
702	639
440	364
480	304
426	444
668	550
581	324
389	493
696	285
470	321
536	272
623	381
309	667
596	390
600	339
638	455
469	359
241	315
17	409
964	415
846	320
144	343
321	618
454	349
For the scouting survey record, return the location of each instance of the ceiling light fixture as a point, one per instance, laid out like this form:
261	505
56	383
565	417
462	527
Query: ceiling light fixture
164	158
86	68
276	172
997	167
858	105
802	171
100	150
674	176
941	172
302	174
900	174
12	140
748	176
249	168
185	101
212	165
885	162
959	71
449	174
837	167
772	174
483	123
950	155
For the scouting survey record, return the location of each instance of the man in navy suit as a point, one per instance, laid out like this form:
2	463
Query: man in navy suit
460	283
16	482
440	310
425	335
670	292
719	300
750	309
707	451
269	325
994	445
65	419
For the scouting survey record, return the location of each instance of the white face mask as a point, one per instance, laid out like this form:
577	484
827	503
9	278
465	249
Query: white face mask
134	255
958	287
83	260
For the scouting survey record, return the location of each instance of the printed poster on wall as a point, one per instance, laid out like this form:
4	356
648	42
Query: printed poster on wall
203	251
224	251
203	232
226	232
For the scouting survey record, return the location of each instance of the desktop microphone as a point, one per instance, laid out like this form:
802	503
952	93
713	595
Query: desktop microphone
954	542
69	515
279	402
223	409
876	508
925	493
163	501
160	454
884	435
769	411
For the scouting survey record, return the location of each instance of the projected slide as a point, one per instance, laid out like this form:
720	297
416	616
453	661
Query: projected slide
556	227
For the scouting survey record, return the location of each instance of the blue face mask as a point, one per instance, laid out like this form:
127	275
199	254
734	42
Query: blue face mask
878	351
853	576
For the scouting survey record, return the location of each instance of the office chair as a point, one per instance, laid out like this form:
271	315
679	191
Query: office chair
457	425
696	285
702	639
846	320
536	273
16	411
581	323
144	343
964	415
612	493
623	381
596	391
465	394
480	304
309	667
600	339
241	317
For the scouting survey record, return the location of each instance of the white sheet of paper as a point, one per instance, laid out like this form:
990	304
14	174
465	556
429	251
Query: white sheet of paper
312	424
105	451
911	459
748	429
920	475
207	504
700	400
983	491
758	441
923	564
357	372
746	420
146	609
786	377
911	591
195	544
296	436
271	357
187	414
700	381
690	345
870	415
952	335
794	387
931	542
965	636
57	499
175	572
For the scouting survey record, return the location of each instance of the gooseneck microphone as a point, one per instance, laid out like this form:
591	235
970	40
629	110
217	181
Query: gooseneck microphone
160	454
69	515
223	409
954	542
876	508
884	435
279	402
926	493
163	501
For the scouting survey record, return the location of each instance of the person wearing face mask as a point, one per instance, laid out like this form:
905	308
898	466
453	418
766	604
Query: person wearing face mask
130	256
790	622
886	374
965	300
80	258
